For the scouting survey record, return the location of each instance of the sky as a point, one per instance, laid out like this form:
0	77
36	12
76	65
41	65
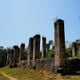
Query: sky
22	19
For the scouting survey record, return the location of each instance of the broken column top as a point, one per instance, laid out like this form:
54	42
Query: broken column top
31	38
44	37
59	21
15	47
37	35
23	45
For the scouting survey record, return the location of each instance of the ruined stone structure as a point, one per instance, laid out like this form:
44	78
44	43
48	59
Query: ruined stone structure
4	59
43	47
22	49
45	64
11	61
7	58
75	49
40	61
78	49
30	50
16	55
59	43
36	48
47	47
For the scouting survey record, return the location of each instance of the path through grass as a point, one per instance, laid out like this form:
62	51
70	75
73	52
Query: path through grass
3	77
30	74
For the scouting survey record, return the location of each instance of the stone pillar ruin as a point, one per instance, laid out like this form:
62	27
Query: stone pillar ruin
16	55
78	49
8	57
22	49
11	61
5	59
30	50
36	48
74	49
43	47
59	44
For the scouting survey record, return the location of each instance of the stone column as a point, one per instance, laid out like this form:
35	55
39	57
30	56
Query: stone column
74	49
30	50
36	48
43	47
78	49
22	49
47	46
59	44
16	55
7	61
11	58
8	57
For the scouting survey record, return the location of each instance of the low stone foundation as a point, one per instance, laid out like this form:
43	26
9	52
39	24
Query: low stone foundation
45	64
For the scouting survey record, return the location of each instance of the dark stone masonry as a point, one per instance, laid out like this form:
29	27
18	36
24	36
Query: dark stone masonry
39	61
16	55
22	49
11	61
74	49
43	47
36	48
31	48
35	58
30	51
59	44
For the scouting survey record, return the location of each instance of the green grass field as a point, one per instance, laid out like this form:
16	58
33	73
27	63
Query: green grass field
30	74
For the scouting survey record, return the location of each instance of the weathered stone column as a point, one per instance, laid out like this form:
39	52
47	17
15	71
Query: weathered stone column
7	60
78	49
74	49
8	57
16	55
22	49
30	50
47	46
36	48
11	61
59	43
43	47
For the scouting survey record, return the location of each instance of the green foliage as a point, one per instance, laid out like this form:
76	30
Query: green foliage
50	53
68	52
25	55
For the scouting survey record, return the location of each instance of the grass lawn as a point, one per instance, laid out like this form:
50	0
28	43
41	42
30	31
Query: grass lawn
27	74
30	74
